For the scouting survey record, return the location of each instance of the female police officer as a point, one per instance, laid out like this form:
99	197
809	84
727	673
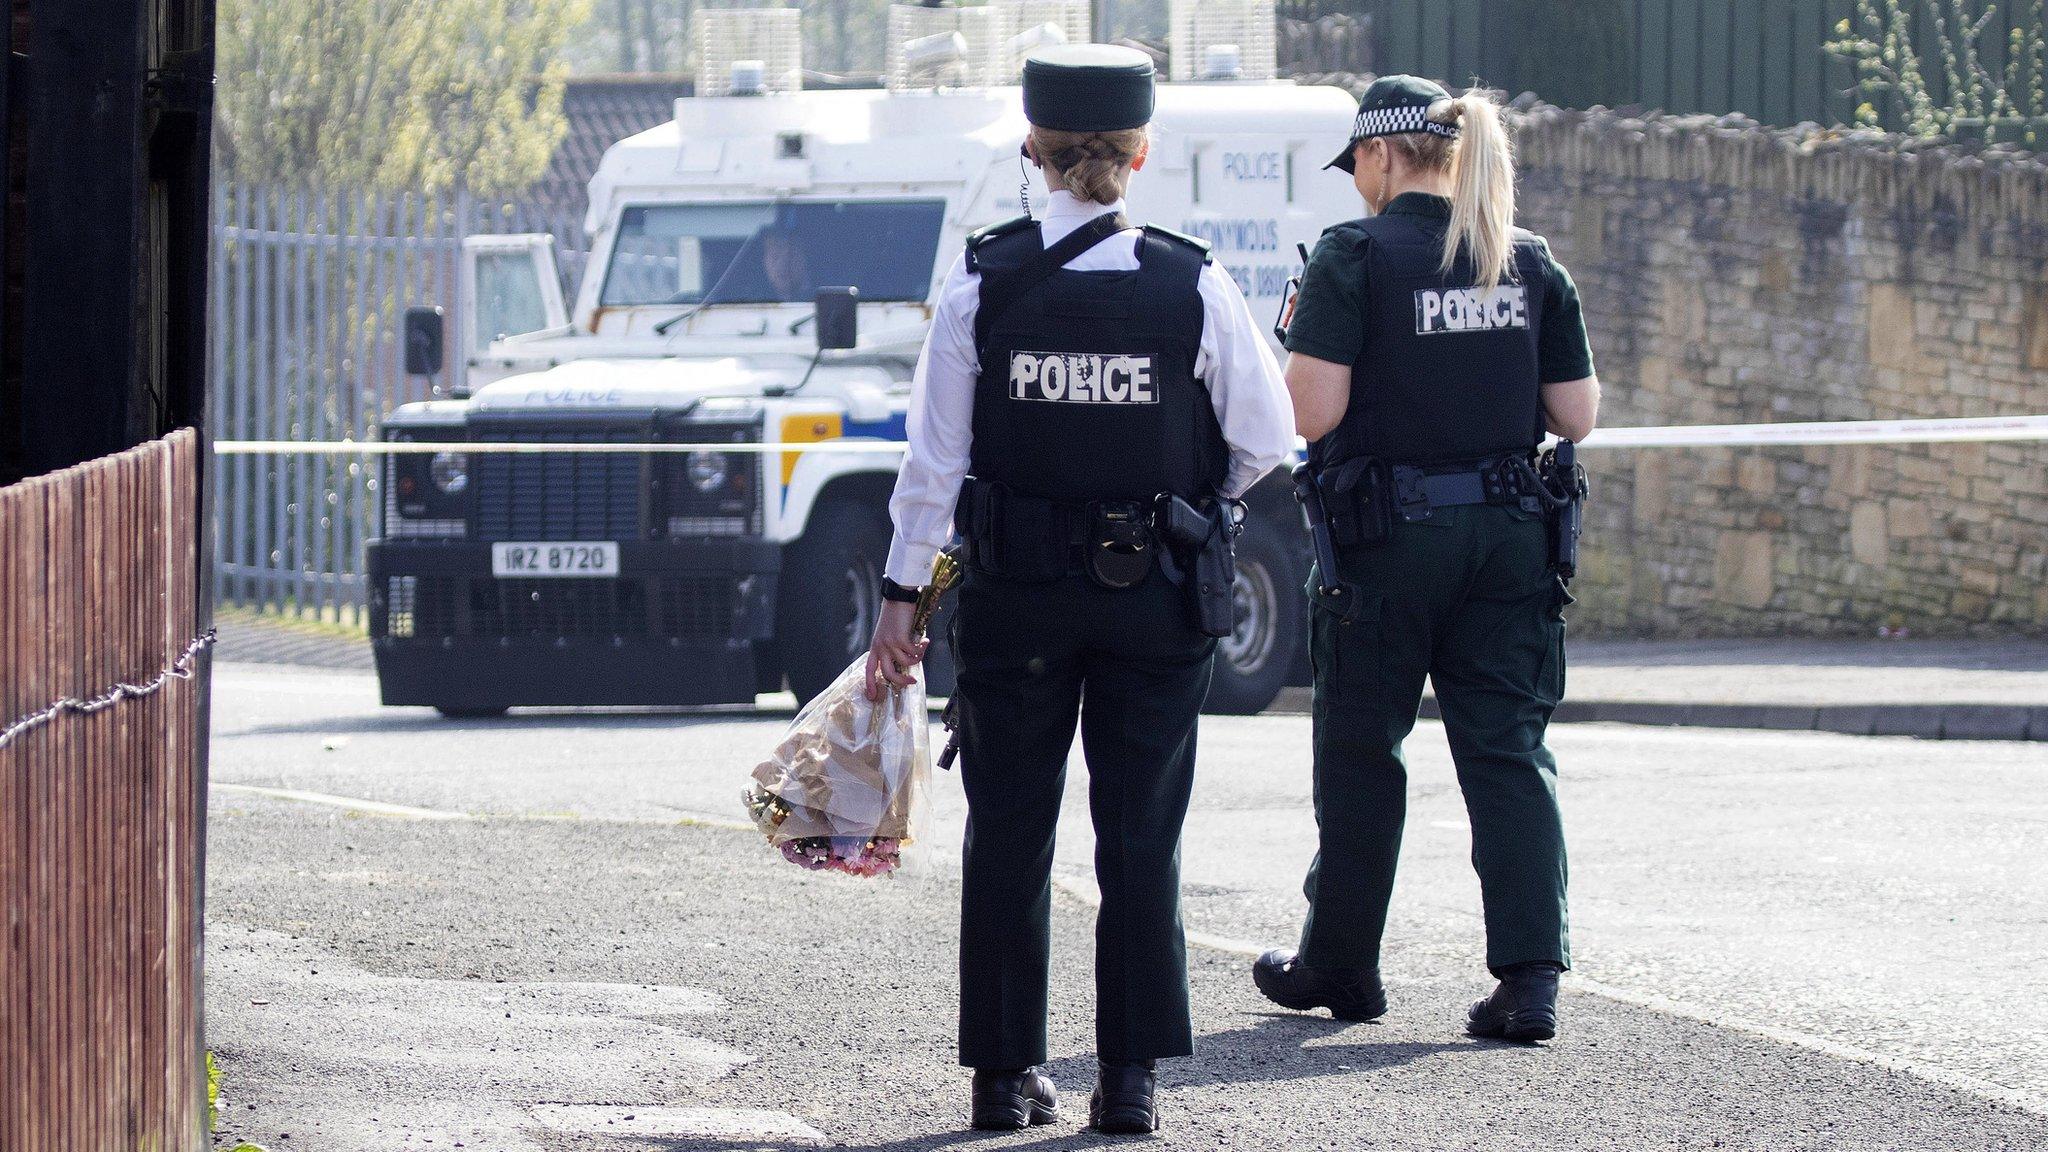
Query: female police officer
1432	345
1078	371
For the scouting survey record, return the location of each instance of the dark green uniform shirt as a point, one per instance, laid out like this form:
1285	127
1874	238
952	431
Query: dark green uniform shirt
1329	320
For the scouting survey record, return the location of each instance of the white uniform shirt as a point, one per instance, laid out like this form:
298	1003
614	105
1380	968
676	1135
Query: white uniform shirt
1234	362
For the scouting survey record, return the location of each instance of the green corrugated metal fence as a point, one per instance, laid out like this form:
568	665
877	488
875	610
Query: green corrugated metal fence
1763	58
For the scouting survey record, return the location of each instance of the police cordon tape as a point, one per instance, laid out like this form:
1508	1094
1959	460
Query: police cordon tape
1947	431
1973	429
484	447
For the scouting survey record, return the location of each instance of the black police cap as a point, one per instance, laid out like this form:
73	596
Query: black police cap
1394	104
1088	88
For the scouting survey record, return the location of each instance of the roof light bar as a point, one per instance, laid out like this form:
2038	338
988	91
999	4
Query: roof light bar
1200	32
749	51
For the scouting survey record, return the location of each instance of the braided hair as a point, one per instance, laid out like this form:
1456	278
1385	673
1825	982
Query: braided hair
1095	166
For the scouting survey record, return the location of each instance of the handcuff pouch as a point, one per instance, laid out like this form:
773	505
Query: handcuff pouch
1118	549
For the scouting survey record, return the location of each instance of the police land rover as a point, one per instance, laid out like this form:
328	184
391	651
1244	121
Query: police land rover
762	271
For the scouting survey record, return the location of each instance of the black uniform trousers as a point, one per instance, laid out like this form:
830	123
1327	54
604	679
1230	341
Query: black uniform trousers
1132	669
1467	600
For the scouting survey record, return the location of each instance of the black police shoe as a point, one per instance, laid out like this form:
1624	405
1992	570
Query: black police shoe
1523	1008
1011	1100
1349	993
1124	1103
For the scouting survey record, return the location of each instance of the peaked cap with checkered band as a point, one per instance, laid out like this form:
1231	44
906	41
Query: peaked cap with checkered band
1394	104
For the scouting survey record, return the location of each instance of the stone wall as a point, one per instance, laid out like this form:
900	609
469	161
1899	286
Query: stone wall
1735	274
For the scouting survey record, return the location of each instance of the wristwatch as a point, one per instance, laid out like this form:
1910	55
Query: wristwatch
891	590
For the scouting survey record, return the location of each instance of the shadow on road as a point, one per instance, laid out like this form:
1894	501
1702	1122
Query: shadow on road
1279	1047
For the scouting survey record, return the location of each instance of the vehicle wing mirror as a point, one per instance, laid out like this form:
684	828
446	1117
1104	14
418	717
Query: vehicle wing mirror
838	317
426	340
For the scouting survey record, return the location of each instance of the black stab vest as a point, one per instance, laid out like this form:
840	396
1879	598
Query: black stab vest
1087	389
1448	374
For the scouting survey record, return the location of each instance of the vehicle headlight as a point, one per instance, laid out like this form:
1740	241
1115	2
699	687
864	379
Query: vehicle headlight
707	471
450	471
705	490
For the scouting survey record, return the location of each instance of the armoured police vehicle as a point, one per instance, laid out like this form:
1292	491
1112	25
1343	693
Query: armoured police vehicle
762	272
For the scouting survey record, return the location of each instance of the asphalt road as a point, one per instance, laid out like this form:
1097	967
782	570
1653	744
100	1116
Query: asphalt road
1784	940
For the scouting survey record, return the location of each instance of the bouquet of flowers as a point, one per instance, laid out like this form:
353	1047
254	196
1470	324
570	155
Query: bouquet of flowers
845	790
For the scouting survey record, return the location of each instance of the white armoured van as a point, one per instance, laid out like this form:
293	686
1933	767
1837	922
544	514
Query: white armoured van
704	577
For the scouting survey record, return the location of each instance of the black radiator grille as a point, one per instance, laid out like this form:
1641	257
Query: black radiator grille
685	607
697	607
557	495
408	600
558	608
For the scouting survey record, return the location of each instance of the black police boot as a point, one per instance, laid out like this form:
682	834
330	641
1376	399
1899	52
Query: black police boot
1349	993
1124	1103
1009	1100
1523	1008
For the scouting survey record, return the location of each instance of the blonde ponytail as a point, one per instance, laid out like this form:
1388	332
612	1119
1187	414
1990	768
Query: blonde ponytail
1483	190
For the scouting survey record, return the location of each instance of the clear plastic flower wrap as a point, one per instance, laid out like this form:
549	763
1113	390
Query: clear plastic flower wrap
847	788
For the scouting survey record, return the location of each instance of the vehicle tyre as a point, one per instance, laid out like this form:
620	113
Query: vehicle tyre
470	711
1254	662
831	590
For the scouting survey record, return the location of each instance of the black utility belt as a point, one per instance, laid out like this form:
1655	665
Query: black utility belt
1356	503
1115	543
1364	497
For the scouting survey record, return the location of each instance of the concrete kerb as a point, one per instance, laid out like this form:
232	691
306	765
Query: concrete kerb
1989	722
263	642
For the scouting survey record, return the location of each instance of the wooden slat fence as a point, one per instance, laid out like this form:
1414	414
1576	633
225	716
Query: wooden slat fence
101	813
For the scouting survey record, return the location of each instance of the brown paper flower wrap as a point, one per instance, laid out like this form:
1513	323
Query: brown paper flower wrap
846	789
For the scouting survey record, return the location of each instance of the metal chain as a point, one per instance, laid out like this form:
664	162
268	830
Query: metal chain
180	669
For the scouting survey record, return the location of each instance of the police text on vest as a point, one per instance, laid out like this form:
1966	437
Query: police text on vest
1082	378
1471	309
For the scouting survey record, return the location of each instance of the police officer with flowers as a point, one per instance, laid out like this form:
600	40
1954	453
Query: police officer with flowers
1091	398
1431	347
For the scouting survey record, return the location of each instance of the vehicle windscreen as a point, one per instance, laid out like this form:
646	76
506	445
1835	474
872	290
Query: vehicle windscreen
773	253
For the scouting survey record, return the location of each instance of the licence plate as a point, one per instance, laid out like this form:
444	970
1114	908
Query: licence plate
578	559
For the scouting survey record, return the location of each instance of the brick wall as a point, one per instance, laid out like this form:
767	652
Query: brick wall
1734	274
